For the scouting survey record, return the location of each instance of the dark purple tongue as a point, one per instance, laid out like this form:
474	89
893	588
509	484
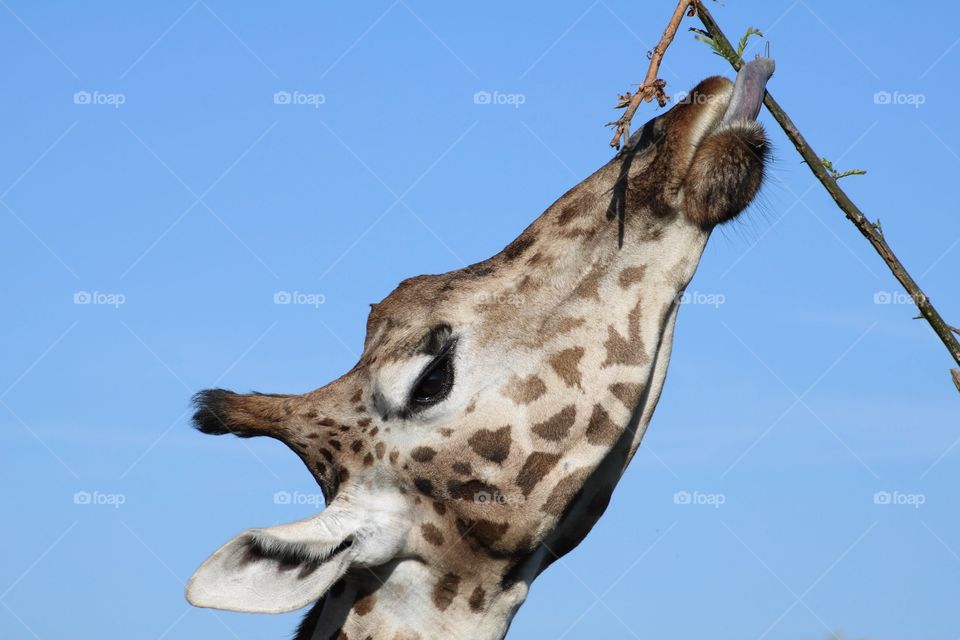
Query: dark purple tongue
748	90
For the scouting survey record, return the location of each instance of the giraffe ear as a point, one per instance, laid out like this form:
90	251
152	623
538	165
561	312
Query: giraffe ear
272	570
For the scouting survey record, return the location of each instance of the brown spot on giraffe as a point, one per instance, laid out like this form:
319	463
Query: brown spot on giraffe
445	591
423	454
424	486
525	390
631	276
557	426
477	599
589	285
629	349
601	430
561	326
627	392
431	534
485	532
566	365
572	206
364	604
541	260
492	445
564	491
472	490
537	465
518	247
488	532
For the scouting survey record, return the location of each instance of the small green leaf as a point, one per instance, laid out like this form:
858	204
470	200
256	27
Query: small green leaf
702	36
837	174
751	31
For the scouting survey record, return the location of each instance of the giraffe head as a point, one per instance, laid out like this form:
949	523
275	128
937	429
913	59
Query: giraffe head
494	408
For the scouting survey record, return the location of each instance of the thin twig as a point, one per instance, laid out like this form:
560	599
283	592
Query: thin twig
652	86
870	231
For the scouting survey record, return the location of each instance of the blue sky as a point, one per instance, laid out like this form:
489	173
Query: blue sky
148	171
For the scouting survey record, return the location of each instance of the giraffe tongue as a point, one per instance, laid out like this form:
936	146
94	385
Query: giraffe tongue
748	90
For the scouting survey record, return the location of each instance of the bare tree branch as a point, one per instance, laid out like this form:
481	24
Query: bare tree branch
652	86
871	231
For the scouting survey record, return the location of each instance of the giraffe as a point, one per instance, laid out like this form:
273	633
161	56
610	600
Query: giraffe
493	409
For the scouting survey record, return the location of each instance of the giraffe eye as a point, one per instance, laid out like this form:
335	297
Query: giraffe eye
434	383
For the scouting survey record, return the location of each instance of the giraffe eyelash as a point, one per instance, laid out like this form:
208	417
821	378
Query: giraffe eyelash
422	394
